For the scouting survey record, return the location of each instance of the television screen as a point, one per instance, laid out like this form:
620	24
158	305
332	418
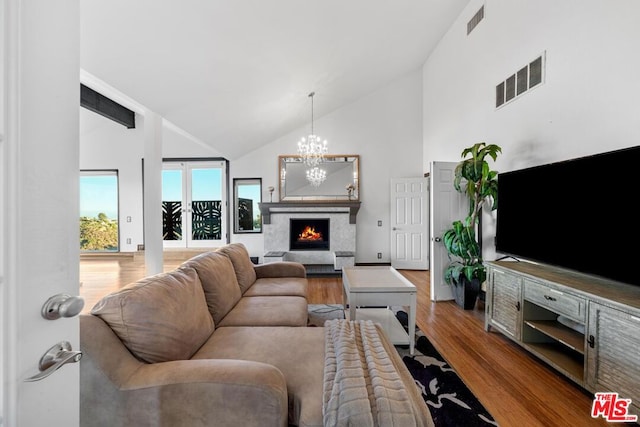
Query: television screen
577	214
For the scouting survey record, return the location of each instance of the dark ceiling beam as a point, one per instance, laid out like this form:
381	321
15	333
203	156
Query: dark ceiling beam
98	103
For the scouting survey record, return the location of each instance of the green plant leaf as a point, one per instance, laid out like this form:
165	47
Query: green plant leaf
474	178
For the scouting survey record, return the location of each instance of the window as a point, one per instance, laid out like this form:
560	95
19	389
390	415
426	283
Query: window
99	211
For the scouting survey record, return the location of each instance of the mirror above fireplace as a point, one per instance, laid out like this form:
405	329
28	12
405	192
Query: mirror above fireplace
342	170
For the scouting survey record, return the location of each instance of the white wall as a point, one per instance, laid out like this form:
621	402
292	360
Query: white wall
384	128
588	103
107	145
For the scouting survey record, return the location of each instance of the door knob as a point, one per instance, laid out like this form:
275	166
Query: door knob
62	305
58	355
437	239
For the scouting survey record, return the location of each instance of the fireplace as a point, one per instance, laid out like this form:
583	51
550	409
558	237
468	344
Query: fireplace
309	234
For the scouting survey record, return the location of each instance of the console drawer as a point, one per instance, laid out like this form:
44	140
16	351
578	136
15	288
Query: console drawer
556	301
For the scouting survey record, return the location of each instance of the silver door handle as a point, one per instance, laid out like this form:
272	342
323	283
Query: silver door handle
58	355
437	239
62	305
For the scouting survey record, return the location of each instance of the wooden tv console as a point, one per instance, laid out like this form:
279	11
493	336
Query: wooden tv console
595	341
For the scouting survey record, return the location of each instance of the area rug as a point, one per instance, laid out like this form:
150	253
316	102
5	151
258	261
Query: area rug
450	401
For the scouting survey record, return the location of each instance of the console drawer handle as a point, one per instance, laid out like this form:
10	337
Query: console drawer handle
548	298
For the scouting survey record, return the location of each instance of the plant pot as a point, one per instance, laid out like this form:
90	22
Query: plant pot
466	292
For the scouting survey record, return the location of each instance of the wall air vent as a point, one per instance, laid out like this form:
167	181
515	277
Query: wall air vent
525	78
475	20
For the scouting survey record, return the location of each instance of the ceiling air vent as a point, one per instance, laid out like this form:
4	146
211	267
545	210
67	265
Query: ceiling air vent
475	20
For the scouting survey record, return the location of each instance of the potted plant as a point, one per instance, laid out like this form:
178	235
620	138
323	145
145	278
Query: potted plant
466	272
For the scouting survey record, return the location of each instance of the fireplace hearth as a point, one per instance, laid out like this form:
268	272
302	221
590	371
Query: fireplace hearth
309	234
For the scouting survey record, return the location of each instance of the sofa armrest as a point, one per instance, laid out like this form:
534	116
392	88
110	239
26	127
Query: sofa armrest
119	390
280	269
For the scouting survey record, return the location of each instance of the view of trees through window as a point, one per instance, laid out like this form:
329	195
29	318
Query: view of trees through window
99	211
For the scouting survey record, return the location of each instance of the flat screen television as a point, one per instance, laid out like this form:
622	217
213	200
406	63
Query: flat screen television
578	214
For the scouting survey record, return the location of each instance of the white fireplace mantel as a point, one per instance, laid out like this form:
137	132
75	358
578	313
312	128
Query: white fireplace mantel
266	209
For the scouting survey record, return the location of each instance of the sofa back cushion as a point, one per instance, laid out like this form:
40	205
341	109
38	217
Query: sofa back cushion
242	264
159	318
219	282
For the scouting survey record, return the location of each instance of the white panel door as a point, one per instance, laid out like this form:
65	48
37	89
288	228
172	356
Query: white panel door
39	205
409	223
446	205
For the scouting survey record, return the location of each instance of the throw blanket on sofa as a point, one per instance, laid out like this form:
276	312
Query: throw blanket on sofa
361	384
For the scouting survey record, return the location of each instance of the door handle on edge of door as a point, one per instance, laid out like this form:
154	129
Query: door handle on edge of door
62	305
58	355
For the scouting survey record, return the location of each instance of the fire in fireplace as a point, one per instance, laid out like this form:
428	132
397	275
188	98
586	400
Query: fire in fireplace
309	234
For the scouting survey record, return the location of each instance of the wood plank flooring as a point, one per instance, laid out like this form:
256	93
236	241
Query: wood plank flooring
516	388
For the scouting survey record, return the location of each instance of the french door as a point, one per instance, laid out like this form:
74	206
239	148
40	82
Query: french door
194	203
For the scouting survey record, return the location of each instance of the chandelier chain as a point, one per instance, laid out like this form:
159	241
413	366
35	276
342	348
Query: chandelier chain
311	95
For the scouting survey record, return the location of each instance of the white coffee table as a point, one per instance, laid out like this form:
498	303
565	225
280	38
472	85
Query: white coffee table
381	286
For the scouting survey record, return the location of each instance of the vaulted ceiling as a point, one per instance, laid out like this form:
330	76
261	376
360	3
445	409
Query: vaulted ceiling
236	73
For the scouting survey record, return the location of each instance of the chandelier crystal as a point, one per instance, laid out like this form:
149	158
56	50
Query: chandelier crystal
316	176
312	148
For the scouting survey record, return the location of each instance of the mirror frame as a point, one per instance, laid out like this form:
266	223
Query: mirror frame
284	160
237	183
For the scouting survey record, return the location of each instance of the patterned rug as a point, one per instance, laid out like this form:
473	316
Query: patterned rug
450	401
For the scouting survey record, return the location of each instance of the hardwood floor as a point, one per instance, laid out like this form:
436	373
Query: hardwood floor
516	388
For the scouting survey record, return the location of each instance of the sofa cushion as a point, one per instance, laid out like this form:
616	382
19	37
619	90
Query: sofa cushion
283	286
159	318
280	269
297	352
268	311
219	282
242	264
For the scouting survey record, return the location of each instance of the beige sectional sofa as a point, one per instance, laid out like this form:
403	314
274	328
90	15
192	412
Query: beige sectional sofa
217	342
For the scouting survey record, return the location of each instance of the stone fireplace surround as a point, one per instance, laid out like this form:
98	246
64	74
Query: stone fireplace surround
342	223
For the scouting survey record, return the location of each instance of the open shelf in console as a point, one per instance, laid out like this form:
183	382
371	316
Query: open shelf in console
571	363
557	331
555	343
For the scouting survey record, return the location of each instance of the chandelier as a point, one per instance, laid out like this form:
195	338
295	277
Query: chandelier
316	176
312	149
